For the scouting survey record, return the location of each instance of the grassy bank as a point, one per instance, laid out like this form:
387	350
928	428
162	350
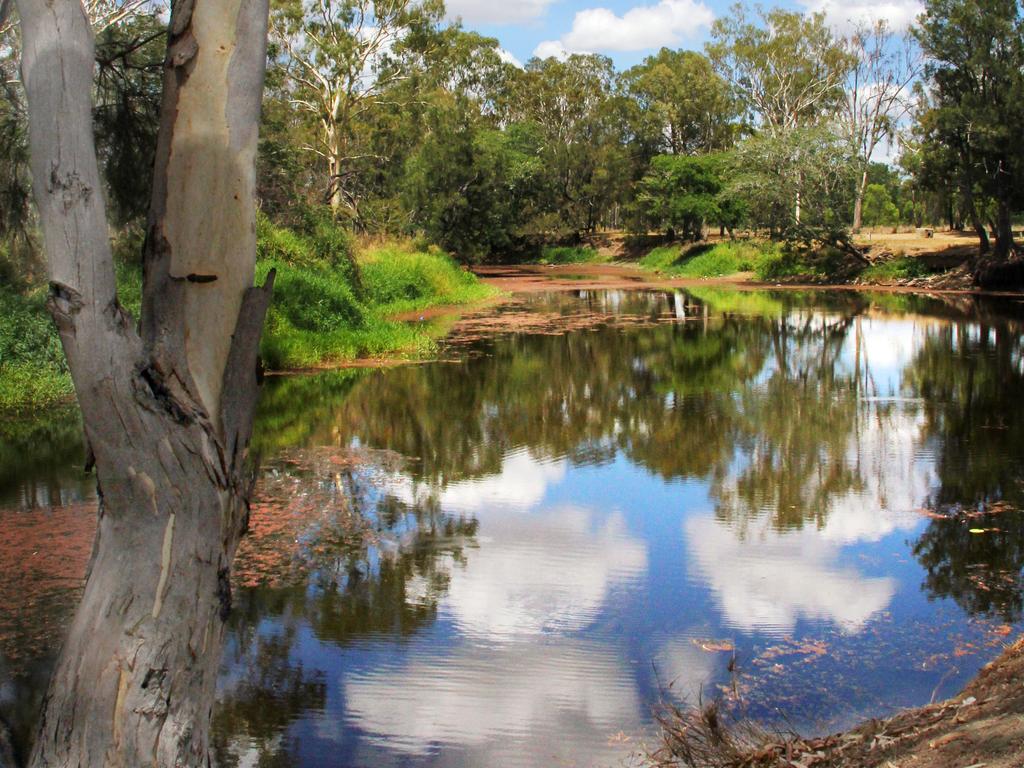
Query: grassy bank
334	300
769	261
715	260
900	268
33	372
324	314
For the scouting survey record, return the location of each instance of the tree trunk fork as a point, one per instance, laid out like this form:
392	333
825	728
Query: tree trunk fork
167	406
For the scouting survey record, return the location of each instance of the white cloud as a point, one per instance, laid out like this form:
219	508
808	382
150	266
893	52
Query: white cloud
521	484
641	28
490	12
551	703
773	579
845	15
551	49
509	58
534	569
539	574
769	583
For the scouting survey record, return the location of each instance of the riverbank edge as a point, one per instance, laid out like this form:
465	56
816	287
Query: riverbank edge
529	278
441	315
981	727
435	316
402	300
886	261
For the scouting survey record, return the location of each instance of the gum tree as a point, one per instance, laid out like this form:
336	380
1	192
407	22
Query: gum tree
878	95
341	59
688	106
787	69
167	403
975	64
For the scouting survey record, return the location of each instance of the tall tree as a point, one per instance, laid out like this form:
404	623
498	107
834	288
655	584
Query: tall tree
679	194
878	90
342	57
975	51
769	172
786	67
574	105
688	106
788	70
167	408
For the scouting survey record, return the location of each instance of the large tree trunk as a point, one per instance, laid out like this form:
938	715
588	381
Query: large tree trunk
135	681
335	171
167	409
998	270
976	222
1004	230
858	203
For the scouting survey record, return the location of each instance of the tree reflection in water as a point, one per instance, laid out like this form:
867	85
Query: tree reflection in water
329	552
806	428
971	379
770	398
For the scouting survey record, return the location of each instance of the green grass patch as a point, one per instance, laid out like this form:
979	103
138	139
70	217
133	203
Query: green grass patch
900	268
570	254
330	312
328	306
789	261
706	260
663	258
318	245
33	372
399	279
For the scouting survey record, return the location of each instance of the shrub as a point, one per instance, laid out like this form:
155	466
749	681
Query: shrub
320	243
900	268
318	317
33	370
312	300
662	258
791	260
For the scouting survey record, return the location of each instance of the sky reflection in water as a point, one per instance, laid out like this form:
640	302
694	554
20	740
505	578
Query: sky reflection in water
567	527
645	493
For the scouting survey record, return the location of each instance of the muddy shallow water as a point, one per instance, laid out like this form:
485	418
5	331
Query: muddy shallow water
597	500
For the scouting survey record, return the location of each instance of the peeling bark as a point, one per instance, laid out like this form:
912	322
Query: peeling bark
168	411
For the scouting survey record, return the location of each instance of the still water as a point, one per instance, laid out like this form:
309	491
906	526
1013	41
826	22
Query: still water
595	502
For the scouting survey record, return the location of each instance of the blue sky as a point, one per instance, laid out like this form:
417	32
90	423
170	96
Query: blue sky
629	30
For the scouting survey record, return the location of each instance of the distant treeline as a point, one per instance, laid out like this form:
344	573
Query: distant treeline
401	123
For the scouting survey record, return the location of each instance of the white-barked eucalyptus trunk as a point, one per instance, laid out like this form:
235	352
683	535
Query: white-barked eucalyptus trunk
167	404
